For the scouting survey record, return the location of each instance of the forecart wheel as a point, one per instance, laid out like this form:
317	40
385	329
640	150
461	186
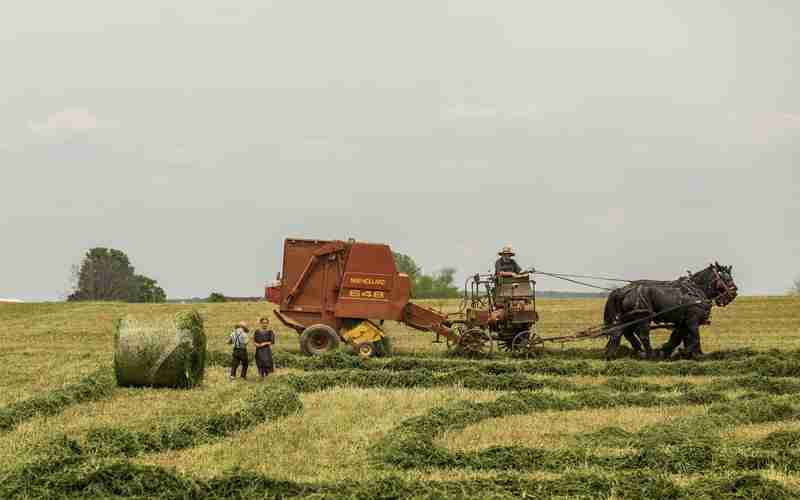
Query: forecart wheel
526	344
474	342
520	341
318	339
458	331
505	340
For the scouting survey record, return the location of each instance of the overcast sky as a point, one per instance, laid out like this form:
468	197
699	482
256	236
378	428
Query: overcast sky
637	138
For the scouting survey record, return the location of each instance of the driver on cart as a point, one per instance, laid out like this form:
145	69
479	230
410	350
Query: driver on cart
506	266
507	274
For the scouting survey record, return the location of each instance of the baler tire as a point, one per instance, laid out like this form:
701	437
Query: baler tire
318	339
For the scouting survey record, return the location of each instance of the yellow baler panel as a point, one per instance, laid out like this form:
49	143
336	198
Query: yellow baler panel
366	331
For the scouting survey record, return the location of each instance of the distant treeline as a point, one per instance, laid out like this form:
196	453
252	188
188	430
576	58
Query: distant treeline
215	297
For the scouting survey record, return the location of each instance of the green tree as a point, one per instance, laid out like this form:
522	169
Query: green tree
147	290
406	264
423	287
216	297
439	285
104	274
107	274
445	283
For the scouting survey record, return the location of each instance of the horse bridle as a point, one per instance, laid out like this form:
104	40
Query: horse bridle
728	293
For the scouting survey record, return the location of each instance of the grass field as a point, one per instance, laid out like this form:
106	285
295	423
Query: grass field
420	424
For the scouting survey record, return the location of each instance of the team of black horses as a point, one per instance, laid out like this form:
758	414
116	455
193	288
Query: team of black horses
682	305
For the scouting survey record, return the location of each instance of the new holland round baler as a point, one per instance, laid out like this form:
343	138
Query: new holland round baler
343	290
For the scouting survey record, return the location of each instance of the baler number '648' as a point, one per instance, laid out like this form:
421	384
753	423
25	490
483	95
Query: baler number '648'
367	294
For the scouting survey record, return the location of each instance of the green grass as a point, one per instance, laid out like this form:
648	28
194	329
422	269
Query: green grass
419	424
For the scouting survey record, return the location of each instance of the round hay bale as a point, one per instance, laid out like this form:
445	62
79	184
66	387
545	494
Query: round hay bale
160	353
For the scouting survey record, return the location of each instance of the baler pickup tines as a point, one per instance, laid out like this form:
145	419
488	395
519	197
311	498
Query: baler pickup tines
428	320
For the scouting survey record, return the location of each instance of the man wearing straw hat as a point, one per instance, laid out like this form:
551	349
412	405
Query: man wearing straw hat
239	340
506	265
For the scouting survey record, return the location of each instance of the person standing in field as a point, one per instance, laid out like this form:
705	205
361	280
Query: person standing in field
238	339
263	339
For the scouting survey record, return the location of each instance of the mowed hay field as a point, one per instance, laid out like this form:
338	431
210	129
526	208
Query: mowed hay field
419	424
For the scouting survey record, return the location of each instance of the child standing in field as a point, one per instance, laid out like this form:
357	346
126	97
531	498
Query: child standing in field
238	339
263	338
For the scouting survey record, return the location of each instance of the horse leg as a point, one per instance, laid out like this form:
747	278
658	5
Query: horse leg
692	339
699	349
612	345
644	335
675	338
630	336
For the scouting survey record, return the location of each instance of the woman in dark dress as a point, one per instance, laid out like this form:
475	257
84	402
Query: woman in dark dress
263	340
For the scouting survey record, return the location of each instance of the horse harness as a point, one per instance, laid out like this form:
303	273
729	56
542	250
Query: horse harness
691	294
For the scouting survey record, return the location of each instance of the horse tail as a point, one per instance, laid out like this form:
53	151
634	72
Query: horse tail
611	311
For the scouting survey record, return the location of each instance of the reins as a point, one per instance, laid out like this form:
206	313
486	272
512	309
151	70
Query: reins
720	298
570	278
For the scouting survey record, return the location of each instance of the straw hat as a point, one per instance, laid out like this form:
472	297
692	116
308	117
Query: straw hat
506	250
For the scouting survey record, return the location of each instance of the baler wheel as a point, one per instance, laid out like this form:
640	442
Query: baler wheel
318	339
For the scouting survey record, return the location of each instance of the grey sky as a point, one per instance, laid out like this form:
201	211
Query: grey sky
636	138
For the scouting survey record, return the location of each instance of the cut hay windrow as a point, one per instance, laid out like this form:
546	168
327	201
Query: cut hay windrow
160	353
124	479
760	383
741	353
95	387
267	403
410	445
684	445
766	379
765	365
470	378
768	364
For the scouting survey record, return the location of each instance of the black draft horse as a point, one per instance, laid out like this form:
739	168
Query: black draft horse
685	304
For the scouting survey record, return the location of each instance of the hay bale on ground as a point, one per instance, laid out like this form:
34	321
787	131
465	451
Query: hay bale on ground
160	353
